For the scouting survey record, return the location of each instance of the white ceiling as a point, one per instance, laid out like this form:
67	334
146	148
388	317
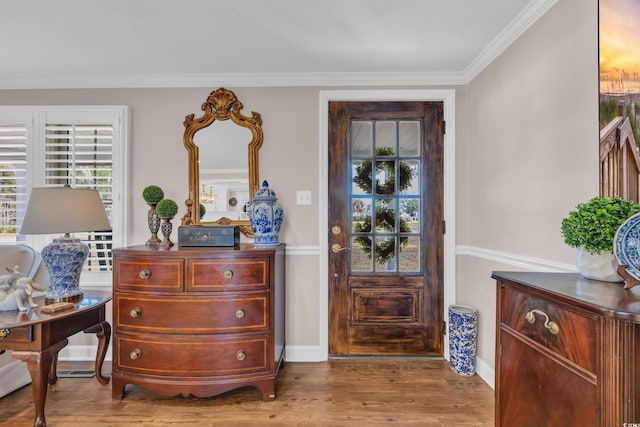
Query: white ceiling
146	43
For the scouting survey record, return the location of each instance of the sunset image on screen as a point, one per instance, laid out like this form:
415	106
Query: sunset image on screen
619	46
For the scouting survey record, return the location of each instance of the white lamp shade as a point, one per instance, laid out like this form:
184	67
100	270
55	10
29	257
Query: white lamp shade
64	210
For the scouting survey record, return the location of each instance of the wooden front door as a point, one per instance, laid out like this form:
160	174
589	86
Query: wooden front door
386	226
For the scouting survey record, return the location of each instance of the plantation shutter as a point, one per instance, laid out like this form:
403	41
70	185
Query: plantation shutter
81	155
13	179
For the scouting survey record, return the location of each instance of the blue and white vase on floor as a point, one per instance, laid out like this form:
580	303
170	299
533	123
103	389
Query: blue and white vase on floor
463	332
265	215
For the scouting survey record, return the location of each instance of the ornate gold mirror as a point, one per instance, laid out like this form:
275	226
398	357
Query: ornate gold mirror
223	147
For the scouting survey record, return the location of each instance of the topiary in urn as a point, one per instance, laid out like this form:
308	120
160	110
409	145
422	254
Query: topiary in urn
591	228
167	209
152	194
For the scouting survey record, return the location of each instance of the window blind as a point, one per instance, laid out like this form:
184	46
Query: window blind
13	180
81	155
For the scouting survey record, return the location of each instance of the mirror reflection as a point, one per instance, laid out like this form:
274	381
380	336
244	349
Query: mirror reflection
223	171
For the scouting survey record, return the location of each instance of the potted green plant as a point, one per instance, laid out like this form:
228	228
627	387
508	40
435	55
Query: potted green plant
166	209
152	194
591	228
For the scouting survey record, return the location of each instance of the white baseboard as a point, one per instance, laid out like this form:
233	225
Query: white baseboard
14	375
486	372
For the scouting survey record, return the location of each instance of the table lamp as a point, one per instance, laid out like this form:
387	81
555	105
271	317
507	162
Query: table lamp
64	210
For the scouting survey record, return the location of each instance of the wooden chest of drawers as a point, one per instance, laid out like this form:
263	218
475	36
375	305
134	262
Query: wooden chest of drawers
198	321
567	351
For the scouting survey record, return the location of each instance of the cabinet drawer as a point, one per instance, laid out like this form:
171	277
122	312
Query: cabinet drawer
192	356
149	275
16	335
227	274
577	337
193	315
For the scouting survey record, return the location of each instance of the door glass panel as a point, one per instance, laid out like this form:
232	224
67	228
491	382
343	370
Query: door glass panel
361	215
409	139
386	138
385	215
361	177
410	215
361	138
389	213
385	176
385	253
409	253
361	254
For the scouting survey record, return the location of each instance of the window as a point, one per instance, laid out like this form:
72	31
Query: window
84	147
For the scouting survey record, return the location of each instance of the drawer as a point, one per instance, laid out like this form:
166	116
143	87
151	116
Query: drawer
192	356
15	335
222	274
149	275
577	338
193	315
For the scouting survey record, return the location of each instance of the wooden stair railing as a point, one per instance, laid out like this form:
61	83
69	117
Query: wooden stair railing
619	161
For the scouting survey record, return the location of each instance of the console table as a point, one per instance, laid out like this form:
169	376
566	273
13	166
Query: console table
567	351
36	338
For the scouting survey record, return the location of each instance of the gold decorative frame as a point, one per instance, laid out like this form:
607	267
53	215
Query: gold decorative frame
221	104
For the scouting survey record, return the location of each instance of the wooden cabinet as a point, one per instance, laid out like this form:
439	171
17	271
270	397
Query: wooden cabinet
567	351
198	321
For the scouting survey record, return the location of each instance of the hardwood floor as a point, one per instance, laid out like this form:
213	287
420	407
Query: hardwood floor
340	392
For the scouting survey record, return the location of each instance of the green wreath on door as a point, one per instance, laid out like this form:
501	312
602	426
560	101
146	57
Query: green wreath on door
385	251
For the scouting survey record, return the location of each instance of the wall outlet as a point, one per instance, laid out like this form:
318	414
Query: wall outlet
303	197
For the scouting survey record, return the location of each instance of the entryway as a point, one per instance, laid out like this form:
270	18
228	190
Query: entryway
410	315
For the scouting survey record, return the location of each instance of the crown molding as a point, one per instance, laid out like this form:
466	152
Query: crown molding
235	80
521	23
532	12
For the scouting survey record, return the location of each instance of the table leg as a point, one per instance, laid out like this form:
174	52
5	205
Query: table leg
103	332
39	365
53	371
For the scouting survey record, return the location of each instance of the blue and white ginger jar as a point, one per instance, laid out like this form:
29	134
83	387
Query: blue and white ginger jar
265	214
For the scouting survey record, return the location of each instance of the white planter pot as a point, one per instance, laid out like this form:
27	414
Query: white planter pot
601	266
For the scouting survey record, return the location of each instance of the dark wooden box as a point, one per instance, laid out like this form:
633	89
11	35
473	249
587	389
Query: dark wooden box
208	235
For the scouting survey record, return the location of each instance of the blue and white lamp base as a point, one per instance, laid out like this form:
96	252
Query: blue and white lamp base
64	259
463	332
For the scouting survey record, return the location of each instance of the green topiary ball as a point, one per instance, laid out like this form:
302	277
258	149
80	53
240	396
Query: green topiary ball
152	194
167	208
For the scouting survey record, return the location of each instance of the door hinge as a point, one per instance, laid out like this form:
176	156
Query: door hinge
444	127
444	327
444	226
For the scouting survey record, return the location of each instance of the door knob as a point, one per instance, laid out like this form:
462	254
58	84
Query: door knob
337	248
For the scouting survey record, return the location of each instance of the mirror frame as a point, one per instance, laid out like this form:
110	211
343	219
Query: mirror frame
221	104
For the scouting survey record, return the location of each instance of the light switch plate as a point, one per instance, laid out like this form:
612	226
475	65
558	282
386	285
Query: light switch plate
303	197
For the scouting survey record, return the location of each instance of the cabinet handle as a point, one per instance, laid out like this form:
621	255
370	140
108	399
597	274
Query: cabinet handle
240	313
241	355
135	354
145	274
135	312
551	326
228	274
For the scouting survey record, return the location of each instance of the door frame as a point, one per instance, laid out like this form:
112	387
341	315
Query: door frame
447	96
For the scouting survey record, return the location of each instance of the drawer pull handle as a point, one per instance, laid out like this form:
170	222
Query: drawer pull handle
228	274
240	313
135	312
241	355
551	326
145	274
135	354
4	333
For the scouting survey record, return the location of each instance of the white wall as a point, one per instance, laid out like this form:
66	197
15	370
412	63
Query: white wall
529	154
